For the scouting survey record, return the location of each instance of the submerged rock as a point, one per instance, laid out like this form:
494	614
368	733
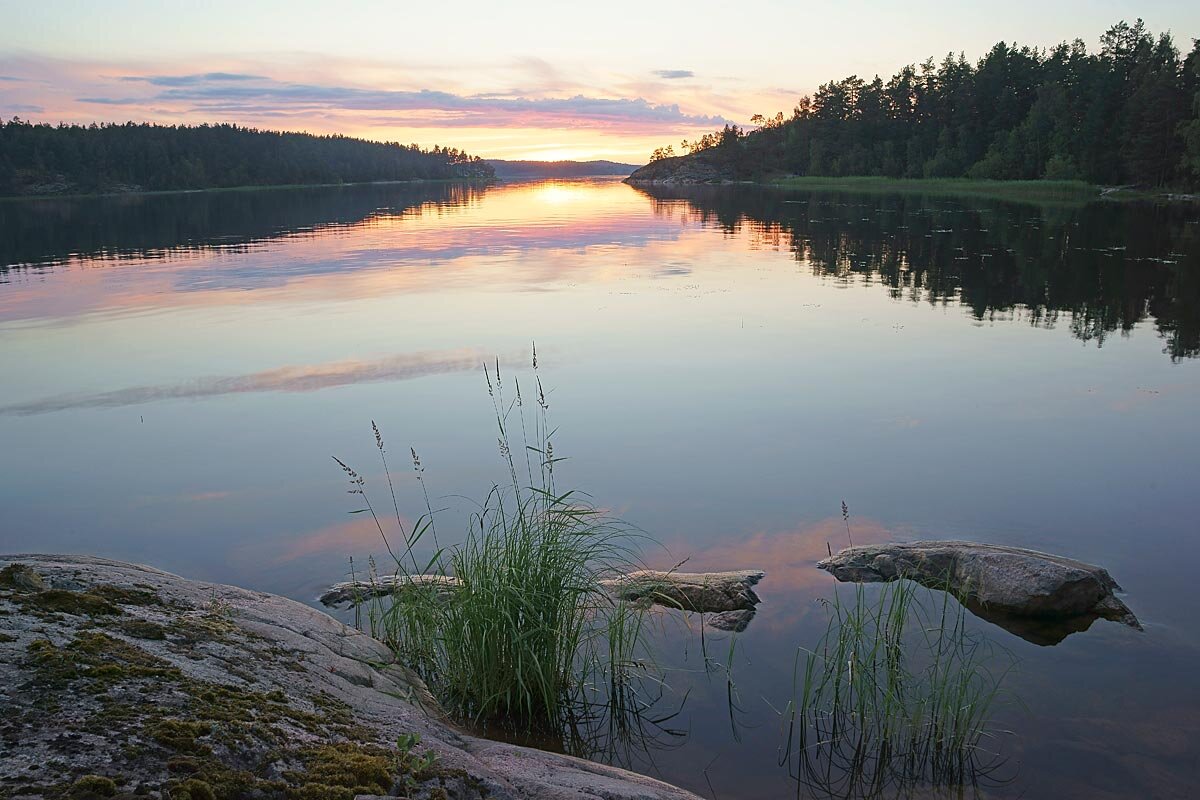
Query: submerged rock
998	583
118	679
714	592
690	591
732	621
354	592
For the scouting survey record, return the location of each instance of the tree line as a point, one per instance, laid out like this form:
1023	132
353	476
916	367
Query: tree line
59	159
1128	114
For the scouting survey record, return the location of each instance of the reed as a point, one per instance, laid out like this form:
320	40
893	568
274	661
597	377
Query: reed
530	643
897	694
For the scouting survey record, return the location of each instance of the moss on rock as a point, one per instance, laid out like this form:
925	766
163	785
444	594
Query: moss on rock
21	578
90	786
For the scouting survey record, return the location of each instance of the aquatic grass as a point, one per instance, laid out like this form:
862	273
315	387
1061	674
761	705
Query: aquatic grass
529	642
896	694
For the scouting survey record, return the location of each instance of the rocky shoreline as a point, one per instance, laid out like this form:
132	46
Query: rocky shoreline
120	680
692	169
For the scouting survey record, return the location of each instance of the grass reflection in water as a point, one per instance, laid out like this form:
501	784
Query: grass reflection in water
897	697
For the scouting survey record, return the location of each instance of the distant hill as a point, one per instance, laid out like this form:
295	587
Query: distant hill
1126	115
75	159
557	169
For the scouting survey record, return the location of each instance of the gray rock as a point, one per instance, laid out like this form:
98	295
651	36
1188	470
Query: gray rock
732	621
690	591
20	578
155	681
354	592
701	168
999	580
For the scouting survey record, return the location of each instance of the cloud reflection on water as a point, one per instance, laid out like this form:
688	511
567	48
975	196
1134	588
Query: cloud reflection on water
295	378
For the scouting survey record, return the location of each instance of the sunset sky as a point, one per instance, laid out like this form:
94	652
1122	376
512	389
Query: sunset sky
543	80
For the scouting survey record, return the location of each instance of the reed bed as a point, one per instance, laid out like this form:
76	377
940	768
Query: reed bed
898	695
530	645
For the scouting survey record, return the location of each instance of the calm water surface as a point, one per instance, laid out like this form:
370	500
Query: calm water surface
727	366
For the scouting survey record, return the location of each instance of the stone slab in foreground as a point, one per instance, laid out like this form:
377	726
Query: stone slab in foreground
118	679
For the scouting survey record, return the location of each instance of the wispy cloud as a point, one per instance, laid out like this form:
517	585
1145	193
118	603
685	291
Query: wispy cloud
299	378
232	93
191	80
674	74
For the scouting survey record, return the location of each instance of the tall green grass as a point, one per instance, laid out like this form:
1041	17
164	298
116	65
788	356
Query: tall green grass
897	694
530	643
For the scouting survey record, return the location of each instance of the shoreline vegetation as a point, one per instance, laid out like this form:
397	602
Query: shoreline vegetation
1031	190
1035	190
251	187
1127	115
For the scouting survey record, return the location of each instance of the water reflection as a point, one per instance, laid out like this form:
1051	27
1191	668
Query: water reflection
42	234
895	699
297	378
1103	267
1100	269
727	365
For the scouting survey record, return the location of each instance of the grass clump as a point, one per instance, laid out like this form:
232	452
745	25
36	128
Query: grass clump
528	638
895	695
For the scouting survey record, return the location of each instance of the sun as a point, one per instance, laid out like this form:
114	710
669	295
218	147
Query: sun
557	194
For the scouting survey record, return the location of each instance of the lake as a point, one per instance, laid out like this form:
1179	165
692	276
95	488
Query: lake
726	366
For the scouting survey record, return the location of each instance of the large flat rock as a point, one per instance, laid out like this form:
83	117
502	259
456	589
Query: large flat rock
171	687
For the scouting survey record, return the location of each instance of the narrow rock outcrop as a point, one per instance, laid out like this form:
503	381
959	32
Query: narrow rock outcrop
716	592
999	581
703	167
690	591
119	680
353	592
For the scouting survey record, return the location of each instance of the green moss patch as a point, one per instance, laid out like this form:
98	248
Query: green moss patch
341	771
30	592
182	737
90	786
62	601
94	657
127	597
141	629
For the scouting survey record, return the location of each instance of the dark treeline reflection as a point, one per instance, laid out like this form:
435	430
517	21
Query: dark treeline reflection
1099	268
42	233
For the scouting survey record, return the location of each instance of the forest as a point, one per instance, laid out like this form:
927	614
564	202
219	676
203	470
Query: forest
1126	115
40	159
